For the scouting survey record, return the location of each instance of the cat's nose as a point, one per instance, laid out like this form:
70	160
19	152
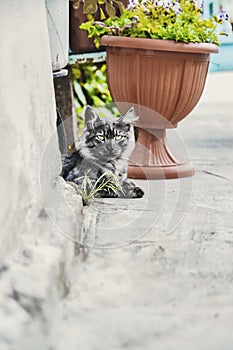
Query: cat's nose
109	146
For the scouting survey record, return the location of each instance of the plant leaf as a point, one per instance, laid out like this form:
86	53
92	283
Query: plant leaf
79	92
102	15
76	5
90	6
120	5
110	9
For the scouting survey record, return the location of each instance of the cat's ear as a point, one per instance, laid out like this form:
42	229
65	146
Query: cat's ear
90	115
129	117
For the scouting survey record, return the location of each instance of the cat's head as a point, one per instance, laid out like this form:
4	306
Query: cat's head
108	138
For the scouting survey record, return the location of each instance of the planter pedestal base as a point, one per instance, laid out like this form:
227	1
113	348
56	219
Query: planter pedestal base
153	159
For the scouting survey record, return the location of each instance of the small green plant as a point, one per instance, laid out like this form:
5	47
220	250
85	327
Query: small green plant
91	88
107	182
168	20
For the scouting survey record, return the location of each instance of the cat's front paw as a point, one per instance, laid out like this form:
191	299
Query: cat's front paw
130	190
139	193
108	194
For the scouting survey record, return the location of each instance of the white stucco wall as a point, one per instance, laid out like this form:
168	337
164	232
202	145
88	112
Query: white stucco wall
58	26
34	257
27	114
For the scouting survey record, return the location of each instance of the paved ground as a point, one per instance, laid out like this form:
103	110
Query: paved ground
172	288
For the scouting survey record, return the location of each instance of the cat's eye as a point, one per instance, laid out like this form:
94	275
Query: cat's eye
100	137
119	137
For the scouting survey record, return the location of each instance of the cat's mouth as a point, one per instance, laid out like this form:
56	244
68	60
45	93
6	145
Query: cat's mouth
109	159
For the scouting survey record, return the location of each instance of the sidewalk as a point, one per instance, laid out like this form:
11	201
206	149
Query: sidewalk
172	288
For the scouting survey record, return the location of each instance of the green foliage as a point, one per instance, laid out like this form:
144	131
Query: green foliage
146	20
113	26
106	182
91	88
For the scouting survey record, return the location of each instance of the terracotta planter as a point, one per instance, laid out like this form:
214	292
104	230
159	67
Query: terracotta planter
164	80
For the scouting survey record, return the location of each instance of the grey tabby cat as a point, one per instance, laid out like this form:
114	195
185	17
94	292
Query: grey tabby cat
105	146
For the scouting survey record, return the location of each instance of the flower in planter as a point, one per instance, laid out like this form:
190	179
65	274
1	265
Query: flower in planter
160	19
199	4
221	16
132	4
176	7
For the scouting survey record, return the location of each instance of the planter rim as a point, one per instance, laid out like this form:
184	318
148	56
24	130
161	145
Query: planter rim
157	44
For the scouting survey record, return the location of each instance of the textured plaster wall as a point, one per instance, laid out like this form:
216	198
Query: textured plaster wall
27	115
35	259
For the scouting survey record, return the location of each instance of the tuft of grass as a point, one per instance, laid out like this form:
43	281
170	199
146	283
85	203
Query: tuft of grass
107	182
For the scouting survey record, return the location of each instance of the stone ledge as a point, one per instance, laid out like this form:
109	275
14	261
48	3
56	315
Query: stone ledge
34	282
